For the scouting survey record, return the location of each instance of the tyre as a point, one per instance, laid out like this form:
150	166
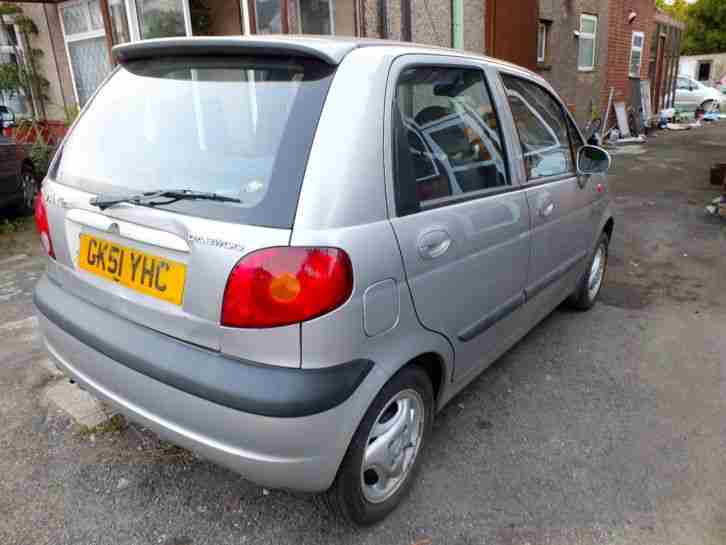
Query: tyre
384	456
29	189
589	287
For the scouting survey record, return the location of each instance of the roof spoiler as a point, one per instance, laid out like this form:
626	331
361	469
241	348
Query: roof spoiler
326	51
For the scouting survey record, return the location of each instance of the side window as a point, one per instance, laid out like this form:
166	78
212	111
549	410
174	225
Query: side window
447	137
543	129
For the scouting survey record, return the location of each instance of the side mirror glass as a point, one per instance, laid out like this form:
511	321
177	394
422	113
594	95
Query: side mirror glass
593	160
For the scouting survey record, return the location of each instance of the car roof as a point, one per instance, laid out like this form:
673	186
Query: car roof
329	49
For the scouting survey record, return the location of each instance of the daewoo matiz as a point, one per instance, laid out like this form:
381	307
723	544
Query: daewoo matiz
288	254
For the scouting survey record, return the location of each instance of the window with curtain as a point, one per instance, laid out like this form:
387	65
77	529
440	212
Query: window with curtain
86	42
316	16
161	18
268	16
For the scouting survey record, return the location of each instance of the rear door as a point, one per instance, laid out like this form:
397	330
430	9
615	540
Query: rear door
462	225
560	202
239	127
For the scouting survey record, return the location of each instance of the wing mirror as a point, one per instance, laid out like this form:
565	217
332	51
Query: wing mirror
593	160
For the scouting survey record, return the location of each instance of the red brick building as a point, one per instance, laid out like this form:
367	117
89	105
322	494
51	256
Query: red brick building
643	44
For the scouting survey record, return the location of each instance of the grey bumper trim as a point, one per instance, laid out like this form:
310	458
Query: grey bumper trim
243	385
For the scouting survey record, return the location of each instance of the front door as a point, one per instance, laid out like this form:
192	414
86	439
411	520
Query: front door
463	228
560	202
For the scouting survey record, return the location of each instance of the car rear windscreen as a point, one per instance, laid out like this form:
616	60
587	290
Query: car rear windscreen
236	126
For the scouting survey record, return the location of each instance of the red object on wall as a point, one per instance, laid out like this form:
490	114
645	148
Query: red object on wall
51	132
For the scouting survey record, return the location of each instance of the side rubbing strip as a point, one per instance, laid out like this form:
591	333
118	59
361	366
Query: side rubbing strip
492	318
554	275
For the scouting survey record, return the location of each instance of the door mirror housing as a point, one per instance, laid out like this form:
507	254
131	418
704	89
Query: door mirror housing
593	160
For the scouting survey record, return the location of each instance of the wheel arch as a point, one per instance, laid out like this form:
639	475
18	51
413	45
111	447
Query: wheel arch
434	366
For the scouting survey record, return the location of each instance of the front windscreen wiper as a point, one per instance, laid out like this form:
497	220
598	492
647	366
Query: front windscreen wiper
149	198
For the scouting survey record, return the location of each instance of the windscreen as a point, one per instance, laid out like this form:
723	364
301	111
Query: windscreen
235	126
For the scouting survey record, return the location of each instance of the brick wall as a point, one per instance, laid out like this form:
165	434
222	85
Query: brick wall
431	22
620	35
580	90
474	18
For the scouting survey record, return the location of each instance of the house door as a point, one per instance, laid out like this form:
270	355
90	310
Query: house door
507	19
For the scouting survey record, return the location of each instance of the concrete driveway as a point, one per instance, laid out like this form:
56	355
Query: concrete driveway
604	427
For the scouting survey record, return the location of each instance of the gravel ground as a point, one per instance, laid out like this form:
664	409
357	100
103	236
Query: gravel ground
604	427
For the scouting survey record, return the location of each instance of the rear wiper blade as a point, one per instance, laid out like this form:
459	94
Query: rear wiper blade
149	197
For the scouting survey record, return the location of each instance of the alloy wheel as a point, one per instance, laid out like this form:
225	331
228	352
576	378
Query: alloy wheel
392	446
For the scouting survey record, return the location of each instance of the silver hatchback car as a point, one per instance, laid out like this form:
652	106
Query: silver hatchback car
288	254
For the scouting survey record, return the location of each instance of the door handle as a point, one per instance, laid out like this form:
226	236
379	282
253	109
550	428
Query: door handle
546	209
433	244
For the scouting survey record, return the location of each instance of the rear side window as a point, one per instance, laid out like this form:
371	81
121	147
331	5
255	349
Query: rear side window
447	137
240	127
542	127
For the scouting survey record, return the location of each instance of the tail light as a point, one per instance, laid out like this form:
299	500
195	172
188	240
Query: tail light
41	222
281	286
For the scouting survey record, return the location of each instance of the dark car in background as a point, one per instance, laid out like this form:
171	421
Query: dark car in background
18	184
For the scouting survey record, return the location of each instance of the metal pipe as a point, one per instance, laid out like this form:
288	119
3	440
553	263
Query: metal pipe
457	19
406	30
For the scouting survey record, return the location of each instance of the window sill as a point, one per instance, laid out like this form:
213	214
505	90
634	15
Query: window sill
544	66
586	70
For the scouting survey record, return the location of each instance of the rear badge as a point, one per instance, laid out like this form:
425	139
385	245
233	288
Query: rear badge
216	242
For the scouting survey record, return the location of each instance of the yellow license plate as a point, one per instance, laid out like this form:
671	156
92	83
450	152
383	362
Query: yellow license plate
146	273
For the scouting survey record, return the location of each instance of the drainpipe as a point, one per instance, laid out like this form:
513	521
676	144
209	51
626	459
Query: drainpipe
457	20
406	31
383	18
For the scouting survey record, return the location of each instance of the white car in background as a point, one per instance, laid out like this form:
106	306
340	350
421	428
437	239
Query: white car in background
692	94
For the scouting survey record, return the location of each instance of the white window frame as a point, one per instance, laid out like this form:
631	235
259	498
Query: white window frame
80	36
18	51
543	33
331	10
588	36
633	48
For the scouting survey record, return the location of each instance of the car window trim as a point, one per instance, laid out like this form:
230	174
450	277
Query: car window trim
455	63
435	204
556	177
466	197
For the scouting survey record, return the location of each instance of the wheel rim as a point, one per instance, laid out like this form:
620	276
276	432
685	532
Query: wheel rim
29	190
597	271
392	446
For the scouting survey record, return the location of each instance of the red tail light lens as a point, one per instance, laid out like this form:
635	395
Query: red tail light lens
281	286
41	222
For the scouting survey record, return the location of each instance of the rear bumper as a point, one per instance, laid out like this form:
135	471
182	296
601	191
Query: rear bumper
294	452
